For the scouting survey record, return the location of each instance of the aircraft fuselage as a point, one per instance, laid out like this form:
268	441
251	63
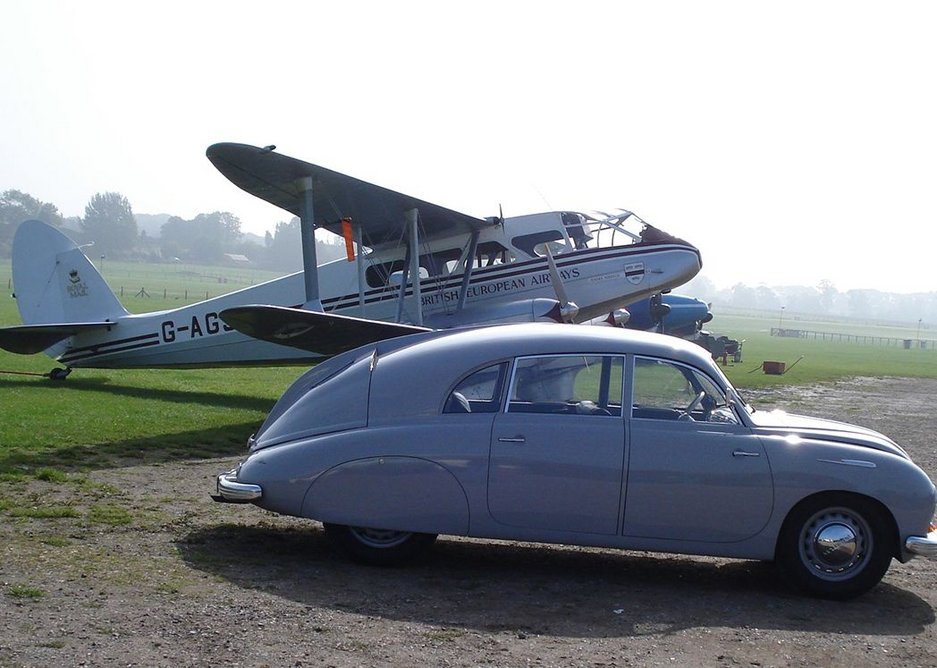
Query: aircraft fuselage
597	279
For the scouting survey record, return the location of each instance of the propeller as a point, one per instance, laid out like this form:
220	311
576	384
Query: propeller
567	310
499	219
659	311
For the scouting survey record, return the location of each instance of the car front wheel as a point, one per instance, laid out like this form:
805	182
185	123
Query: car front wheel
378	547
835	546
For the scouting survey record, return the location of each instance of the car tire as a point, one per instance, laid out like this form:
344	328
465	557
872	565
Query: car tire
836	546
378	547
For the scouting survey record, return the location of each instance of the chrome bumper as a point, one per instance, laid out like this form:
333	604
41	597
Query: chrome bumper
924	546
229	490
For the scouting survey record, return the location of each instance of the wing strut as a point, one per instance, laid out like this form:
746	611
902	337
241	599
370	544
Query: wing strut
404	277
362	278
412	216
467	273
307	228
411	267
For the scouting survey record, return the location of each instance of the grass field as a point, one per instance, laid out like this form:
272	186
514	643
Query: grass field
99	418
822	360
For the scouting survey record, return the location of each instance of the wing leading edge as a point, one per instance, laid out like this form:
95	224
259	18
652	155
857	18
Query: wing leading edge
279	179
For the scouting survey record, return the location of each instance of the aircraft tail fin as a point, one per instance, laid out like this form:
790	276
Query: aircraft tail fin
54	281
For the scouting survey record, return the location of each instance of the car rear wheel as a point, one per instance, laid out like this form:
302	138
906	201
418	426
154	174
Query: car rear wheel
378	547
835	546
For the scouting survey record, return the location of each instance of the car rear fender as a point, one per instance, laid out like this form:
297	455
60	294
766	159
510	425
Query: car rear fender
390	492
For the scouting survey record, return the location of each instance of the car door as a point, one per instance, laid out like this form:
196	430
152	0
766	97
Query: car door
695	472
557	449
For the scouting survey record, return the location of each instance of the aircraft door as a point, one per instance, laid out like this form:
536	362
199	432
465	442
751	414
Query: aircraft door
557	451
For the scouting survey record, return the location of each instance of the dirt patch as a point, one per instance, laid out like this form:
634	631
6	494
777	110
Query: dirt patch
137	566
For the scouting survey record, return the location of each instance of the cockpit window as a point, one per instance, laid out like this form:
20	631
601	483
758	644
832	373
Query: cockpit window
575	228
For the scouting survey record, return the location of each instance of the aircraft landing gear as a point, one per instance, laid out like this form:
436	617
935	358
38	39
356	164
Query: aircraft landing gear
59	373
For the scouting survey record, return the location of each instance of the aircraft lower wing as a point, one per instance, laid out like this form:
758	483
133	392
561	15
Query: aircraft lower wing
30	339
317	332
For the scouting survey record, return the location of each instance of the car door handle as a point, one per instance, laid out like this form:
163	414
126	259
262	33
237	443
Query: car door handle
514	439
745	453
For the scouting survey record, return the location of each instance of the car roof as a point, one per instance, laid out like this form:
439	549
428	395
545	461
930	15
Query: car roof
426	366
545	338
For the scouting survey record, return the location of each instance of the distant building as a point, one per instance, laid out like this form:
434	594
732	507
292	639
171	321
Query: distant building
237	259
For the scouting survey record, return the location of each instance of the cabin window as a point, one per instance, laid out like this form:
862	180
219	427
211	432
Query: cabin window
491	253
529	242
567	384
480	392
440	263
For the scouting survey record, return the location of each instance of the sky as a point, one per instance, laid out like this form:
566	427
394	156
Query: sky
791	142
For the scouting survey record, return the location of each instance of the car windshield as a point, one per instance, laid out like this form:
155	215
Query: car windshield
732	394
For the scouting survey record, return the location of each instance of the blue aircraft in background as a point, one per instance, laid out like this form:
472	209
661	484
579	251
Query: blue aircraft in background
670	314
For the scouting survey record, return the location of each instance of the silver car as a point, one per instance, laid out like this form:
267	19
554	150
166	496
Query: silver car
584	436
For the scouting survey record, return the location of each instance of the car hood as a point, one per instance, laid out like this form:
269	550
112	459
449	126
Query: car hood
789	424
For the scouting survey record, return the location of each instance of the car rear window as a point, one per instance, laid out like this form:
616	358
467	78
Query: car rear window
480	392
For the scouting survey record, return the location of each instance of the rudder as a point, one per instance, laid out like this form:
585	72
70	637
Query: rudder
55	282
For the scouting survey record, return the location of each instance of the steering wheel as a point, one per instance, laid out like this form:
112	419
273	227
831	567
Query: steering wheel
693	405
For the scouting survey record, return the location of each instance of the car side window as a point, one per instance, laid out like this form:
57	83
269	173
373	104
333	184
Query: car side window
664	390
567	384
660	385
479	392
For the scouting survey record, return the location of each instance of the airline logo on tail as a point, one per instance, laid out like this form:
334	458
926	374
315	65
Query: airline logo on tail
77	288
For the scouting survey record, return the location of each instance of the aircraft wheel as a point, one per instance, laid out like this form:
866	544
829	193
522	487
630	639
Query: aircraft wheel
378	547
59	374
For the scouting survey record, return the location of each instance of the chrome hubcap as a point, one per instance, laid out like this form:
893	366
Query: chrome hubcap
836	544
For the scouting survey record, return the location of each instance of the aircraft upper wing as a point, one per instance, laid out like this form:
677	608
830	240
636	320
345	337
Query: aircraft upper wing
30	339
278	179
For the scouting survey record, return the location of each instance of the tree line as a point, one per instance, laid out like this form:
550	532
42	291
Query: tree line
109	225
821	299
210	238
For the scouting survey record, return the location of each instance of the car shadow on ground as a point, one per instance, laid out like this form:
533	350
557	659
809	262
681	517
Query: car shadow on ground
491	586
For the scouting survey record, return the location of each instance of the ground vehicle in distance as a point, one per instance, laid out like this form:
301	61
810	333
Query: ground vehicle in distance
580	435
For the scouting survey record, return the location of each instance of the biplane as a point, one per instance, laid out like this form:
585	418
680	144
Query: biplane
411	265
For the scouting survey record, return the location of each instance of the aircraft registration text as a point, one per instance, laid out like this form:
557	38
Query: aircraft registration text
198	326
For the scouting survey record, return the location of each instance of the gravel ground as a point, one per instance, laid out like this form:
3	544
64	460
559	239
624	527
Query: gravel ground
137	566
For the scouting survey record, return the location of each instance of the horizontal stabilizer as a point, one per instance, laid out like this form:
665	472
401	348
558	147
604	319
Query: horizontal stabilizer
30	339
317	332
